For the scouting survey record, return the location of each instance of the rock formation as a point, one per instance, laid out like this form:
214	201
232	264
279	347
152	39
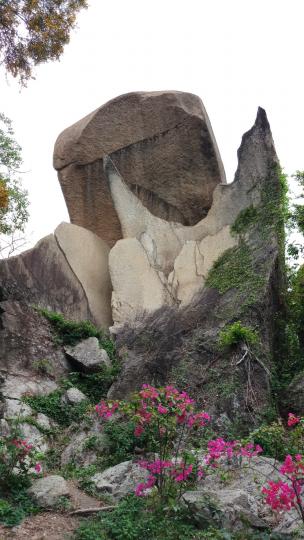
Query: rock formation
66	271
170	253
163	145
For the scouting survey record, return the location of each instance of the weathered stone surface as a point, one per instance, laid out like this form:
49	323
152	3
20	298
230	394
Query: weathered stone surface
87	255
138	287
25	339
119	480
294	401
73	396
65	272
15	385
162	144
88	355
47	491
15	408
34	436
181	345
230	509
171	259
77	452
42	276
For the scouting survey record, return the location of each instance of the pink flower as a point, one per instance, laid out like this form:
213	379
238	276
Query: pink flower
38	468
161	409
181	474
293	420
148	392
138	431
106	410
279	495
143	486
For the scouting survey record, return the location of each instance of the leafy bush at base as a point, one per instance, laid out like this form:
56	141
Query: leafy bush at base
94	385
71	332
16	507
52	406
132	519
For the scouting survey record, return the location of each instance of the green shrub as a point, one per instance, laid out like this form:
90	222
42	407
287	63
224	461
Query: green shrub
235	334
245	220
15	507
122	442
94	385
43	366
52	406
71	332
132	519
277	441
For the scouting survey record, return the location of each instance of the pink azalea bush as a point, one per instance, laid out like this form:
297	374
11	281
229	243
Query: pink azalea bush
169	418
287	493
18	459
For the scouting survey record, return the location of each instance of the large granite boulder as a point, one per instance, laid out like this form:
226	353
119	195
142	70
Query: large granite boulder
163	146
66	272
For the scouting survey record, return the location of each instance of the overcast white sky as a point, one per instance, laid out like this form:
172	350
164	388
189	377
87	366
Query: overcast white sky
235	54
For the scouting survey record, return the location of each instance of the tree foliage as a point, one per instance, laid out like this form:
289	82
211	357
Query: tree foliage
13	199
34	31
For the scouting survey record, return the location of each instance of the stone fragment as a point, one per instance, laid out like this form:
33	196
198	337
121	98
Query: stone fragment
15	408
34	436
73	396
48	491
15	386
87	255
77	451
120	480
66	272
44	422
88	355
25	339
230	509
163	145
138	287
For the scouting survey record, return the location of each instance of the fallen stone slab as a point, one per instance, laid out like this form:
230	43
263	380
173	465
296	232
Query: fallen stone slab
88	356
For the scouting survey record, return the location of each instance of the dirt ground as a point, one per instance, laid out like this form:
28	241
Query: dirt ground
51	525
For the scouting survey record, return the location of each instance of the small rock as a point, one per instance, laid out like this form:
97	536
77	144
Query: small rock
77	451
16	408
4	428
48	490
44	422
32	435
88	355
120	480
73	396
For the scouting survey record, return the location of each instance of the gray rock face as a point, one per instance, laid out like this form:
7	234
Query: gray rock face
77	452
295	395
73	396
25	339
34	436
65	272
119	480
47	491
163	145
229	509
88	355
16	409
179	342
239	503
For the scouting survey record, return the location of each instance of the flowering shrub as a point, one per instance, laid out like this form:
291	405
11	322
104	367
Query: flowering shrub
287	493
168	418
18	459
